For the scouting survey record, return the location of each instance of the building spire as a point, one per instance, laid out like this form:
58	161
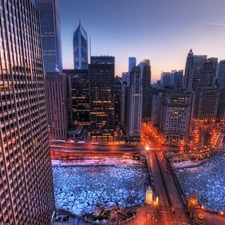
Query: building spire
79	22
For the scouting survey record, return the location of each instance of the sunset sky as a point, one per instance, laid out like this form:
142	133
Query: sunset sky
160	30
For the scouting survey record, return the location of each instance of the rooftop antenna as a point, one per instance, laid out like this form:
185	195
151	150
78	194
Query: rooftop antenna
90	47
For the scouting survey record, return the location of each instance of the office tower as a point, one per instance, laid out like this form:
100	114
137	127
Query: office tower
207	76
175	115
214	62
207	95
78	92
26	184
155	110
221	74
131	64
80	48
194	65
206	105
123	105
51	35
56	97
125	77
134	105
178	77
117	99
166	79
146	85
221	85
101	78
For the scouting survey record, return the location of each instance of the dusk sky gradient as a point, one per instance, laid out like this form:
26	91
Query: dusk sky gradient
160	30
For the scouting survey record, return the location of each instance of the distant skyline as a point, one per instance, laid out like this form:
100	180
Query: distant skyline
159	30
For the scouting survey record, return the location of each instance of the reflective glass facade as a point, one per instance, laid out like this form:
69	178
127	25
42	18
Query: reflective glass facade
51	35
80	48
26	184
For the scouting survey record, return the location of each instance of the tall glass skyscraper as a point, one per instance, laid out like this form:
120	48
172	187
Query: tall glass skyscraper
26	184
194	65
80	48
101	78
51	35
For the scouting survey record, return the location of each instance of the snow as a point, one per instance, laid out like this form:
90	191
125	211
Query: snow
80	188
208	181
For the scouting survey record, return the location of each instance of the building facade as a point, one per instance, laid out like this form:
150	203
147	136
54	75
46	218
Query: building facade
56	97
118	85
80	48
221	85
51	35
134	105
194	65
207	95
78	102
206	104
175	115
146	85
101	78
26	183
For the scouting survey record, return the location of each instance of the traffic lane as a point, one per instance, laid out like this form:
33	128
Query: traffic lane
158	183
69	144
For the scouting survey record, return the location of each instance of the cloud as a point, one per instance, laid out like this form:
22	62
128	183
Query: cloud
216	24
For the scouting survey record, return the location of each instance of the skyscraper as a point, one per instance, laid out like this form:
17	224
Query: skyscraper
26	184
221	74
80	48
131	64
207	95
146	84
56	97
78	88
118	85
221	84
134	105
194	65
51	35
101	78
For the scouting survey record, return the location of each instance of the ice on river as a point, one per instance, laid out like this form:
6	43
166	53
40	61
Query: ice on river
79	189
208	181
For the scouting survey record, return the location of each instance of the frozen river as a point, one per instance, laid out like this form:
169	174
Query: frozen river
208	181
79	189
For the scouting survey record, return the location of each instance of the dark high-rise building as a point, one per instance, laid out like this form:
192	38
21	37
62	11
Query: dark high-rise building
206	105
26	184
146	85
80	48
118	85
78	92
134	105
221	74
56	97
178	77
207	95
207	77
51	35
194	65
101	78
221	84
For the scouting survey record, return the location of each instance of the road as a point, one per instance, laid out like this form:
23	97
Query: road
167	194
67	149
